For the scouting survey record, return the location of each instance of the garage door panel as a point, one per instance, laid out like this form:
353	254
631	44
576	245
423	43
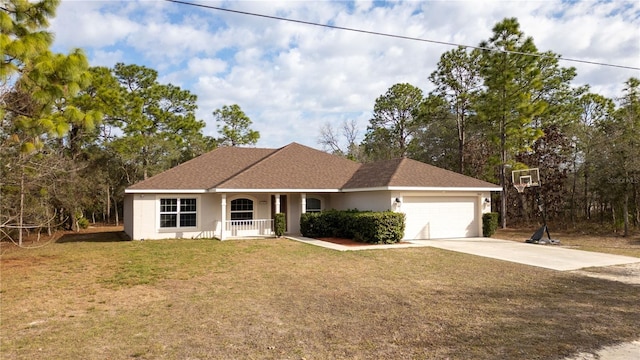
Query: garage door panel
440	217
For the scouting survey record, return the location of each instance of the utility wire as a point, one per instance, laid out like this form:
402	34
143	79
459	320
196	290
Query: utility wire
397	36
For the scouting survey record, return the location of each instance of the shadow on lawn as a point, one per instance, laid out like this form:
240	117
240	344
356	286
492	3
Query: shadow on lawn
570	315
107	236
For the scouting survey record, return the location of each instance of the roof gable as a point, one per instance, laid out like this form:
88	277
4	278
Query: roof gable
295	166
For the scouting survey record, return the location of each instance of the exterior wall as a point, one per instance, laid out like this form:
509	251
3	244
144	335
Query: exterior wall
210	215
294	209
366	200
128	215
486	202
145	217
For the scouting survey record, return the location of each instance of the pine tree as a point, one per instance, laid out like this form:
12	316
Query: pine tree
458	81
394	123
234	126
508	107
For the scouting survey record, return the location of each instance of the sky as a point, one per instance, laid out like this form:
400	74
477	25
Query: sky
292	79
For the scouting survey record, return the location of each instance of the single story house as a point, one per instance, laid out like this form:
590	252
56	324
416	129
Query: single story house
234	192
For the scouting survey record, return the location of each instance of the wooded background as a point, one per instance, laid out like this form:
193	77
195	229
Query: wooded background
73	136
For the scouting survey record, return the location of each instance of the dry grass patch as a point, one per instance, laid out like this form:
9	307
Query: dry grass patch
285	300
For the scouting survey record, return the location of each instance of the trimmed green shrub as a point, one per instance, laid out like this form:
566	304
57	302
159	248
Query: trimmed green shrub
379	227
313	225
280	224
365	226
489	223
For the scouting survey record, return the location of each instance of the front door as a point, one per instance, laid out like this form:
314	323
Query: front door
283	209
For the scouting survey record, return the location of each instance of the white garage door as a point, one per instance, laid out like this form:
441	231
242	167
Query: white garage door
440	217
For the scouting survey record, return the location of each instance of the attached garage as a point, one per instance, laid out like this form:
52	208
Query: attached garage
429	217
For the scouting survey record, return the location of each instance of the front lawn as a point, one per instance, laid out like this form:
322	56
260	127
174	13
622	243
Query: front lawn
279	299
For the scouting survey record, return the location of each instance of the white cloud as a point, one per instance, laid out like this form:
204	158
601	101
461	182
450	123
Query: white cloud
106	58
89	24
292	78
197	66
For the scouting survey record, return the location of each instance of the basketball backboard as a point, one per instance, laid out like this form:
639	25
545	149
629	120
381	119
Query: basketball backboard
526	177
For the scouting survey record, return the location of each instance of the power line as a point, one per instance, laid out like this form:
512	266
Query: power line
402	37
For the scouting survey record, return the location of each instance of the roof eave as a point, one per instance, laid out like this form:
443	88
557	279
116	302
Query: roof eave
164	191
289	190
282	190
424	188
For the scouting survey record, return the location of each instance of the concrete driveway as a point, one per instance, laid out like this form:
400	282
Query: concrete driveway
546	256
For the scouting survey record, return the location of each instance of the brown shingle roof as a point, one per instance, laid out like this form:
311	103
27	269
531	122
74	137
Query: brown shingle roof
205	171
299	167
405	172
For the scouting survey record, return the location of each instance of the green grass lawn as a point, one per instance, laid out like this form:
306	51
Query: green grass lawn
279	299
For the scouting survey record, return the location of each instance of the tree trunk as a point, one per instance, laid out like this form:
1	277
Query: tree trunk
46	209
613	218
461	140
573	192
637	203
587	205
503	178
625	213
115	208
21	217
108	203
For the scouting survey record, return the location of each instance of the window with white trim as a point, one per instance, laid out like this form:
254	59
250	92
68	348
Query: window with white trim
178	213
241	209
313	205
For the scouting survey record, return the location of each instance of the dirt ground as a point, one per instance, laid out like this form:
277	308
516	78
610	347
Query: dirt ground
628	274
625	351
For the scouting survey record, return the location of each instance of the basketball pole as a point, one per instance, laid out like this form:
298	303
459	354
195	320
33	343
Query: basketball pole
542	208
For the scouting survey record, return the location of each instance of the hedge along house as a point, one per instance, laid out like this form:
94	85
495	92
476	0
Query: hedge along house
234	192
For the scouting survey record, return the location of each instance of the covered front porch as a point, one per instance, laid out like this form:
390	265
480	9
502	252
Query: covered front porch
250	215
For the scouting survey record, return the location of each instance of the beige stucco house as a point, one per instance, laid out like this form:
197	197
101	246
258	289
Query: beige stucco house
234	192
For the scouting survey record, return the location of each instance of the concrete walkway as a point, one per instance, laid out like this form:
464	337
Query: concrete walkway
338	247
546	256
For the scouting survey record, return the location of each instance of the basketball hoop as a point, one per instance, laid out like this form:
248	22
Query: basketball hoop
520	187
525	178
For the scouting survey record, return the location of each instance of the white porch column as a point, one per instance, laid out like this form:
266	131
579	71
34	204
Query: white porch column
223	217
303	203
277	197
479	212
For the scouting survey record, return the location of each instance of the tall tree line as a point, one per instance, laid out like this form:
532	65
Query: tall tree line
506	106
73	137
